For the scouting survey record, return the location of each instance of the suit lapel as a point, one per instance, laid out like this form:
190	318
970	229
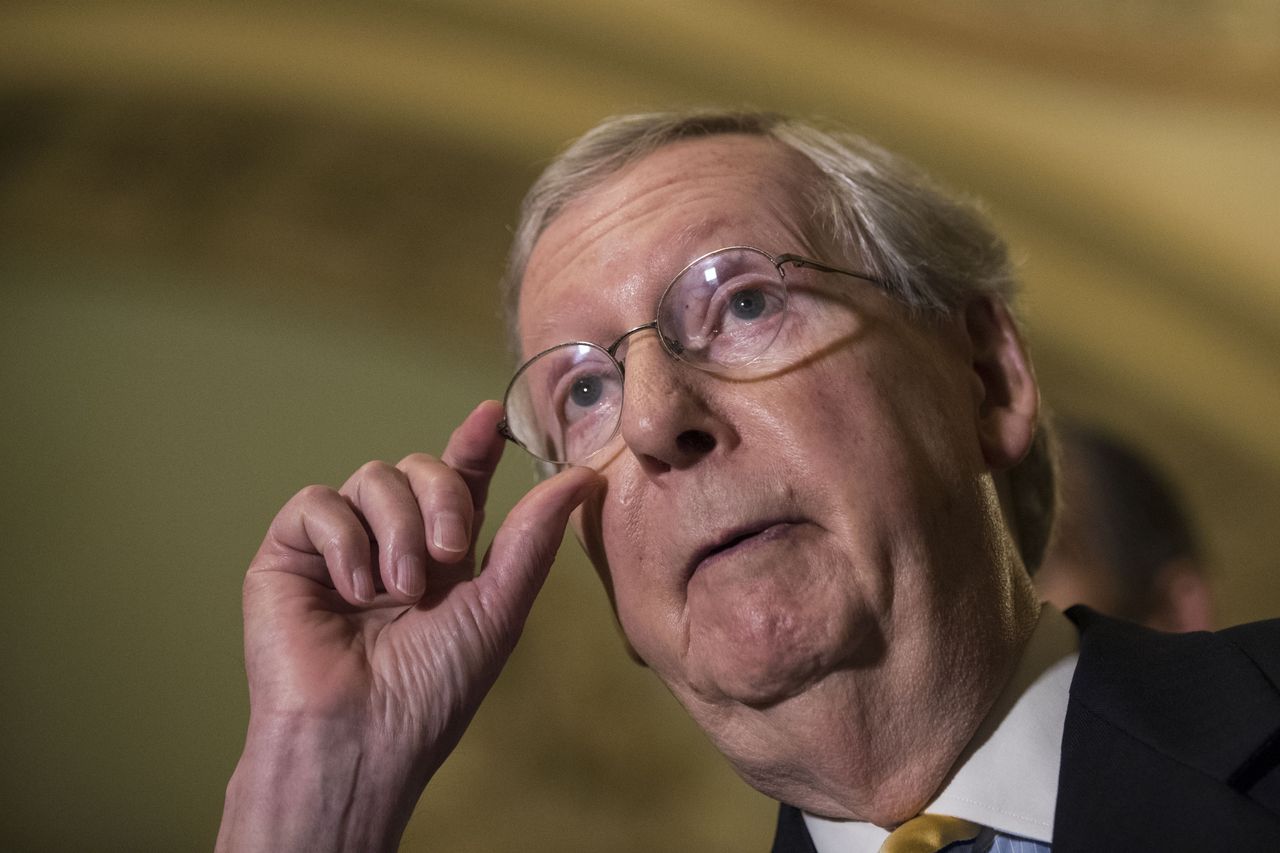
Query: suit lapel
1158	729
1162	732
791	836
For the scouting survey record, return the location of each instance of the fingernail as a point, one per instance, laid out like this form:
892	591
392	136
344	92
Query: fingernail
410	578
450	534
362	585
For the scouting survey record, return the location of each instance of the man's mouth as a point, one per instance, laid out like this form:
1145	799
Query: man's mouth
740	539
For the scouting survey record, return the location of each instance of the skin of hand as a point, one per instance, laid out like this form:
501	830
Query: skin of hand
369	644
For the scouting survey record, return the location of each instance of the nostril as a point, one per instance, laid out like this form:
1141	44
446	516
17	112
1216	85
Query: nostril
695	441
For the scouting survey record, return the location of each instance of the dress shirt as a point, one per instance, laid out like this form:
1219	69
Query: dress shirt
1007	777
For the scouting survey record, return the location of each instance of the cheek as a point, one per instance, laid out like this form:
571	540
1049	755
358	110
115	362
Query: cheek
904	412
586	524
878	458
607	529
839	430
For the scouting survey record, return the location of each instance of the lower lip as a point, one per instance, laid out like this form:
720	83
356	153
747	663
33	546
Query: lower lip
770	534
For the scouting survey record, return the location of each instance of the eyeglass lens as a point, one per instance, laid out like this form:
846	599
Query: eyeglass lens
719	314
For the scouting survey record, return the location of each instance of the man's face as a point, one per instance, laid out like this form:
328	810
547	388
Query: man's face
798	535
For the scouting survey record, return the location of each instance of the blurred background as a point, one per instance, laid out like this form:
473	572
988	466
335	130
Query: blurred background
245	247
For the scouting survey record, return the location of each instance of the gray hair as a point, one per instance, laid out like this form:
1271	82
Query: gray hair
931	250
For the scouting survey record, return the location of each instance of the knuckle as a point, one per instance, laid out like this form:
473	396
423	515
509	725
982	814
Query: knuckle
346	538
529	540
374	469
432	478
449	482
372	479
449	494
417	460
315	494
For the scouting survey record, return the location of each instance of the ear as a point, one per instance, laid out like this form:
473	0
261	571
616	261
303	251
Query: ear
1009	400
1186	597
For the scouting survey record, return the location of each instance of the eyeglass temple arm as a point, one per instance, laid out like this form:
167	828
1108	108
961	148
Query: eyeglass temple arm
802	261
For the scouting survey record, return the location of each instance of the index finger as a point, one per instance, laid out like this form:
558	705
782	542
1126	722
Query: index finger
475	448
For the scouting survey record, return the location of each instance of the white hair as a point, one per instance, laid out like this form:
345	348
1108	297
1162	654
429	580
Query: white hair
930	249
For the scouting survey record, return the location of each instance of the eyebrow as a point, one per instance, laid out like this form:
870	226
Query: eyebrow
680	246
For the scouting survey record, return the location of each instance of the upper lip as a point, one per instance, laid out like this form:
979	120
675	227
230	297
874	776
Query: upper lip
731	536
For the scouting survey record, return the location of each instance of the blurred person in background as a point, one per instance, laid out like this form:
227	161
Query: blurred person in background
775	382
1124	543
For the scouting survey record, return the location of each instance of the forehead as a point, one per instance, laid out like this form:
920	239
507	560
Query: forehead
608	254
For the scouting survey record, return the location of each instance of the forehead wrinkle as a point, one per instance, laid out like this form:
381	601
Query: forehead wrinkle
634	289
599	206
773	185
617	194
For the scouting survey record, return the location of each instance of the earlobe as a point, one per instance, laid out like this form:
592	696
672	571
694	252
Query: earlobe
1010	399
1188	601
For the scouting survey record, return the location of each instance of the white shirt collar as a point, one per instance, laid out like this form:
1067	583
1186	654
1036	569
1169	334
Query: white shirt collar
1007	777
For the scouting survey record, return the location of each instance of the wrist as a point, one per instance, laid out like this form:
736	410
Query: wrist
315	786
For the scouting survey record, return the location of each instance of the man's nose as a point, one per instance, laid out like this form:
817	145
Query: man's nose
666	419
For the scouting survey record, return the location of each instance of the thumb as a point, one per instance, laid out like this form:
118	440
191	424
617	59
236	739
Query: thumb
525	545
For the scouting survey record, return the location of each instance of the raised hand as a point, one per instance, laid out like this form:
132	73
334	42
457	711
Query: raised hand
369	644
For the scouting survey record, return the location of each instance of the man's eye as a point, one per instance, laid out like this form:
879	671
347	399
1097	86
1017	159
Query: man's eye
586	391
747	304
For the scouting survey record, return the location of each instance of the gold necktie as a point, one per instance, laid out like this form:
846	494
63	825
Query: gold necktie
929	833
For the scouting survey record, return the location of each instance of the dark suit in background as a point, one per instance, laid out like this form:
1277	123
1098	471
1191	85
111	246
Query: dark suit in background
1171	743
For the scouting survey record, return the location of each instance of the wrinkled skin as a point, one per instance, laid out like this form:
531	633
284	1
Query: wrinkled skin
840	653
368	644
882	576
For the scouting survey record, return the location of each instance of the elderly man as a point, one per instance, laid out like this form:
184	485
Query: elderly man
797	432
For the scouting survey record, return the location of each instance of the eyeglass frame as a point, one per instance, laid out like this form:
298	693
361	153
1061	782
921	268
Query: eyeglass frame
673	348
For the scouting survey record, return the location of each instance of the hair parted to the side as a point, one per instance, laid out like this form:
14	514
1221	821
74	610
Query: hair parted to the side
932	250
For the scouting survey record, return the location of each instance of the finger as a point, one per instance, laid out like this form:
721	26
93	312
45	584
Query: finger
382	496
443	504
475	448
525	546
318	535
472	452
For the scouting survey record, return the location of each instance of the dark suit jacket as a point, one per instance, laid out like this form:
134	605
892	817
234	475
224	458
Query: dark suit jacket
1172	743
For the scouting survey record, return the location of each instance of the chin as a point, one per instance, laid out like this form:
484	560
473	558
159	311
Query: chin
762	684
759	657
762	631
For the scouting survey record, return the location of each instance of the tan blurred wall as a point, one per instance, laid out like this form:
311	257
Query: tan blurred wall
246	247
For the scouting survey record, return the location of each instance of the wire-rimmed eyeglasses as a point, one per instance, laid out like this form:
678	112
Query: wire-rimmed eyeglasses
720	314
